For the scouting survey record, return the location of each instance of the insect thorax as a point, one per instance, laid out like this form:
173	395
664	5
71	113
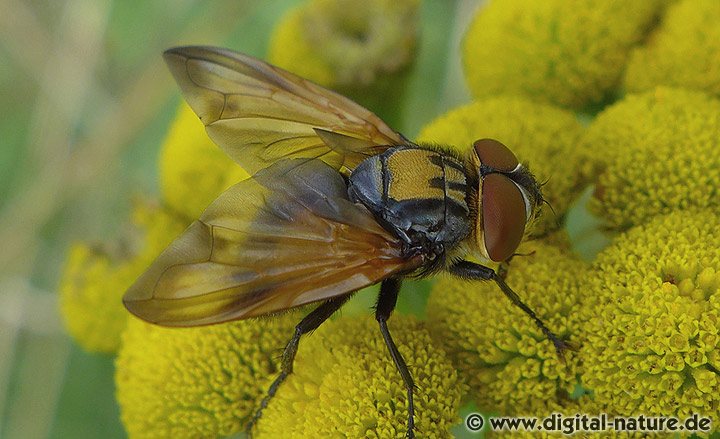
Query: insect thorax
418	194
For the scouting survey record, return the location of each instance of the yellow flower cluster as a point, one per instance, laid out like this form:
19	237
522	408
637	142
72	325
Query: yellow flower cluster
567	53
340	43
193	170
646	314
508	362
653	319
542	136
197	382
94	281
346	385
655	152
683	52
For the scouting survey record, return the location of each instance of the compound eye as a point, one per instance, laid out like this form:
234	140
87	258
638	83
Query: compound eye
503	216
495	155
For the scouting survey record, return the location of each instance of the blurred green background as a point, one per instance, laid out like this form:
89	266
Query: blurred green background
85	102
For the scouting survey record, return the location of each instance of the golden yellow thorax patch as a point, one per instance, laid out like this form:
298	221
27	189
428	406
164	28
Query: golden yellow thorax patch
456	193
410	172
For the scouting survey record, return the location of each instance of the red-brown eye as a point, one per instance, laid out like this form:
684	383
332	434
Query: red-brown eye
503	214
496	155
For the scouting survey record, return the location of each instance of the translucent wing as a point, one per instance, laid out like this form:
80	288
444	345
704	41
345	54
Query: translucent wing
286	237
259	113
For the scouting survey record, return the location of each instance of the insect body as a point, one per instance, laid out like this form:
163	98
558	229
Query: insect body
338	201
418	194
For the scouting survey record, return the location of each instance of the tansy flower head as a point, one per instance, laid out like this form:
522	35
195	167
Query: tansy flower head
656	152
193	170
652	318
343	44
510	365
94	281
543	137
683	52
197	382
567	53
345	384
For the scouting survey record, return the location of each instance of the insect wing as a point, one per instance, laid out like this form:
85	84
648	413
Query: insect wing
286	237
259	113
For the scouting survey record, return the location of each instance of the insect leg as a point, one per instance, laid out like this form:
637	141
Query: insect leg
385	304
473	271
308	324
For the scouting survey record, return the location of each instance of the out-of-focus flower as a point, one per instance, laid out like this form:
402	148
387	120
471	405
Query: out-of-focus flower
197	382
510	365
683	52
345	384
342	44
543	137
568	53
655	152
290	50
361	50
560	239
193	170
94	281
652	319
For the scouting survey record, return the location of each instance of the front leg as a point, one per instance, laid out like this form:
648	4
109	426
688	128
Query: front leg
472	271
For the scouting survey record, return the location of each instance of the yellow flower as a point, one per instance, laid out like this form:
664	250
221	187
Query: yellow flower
345	385
289	50
342	44
568	53
94	281
197	382
543	137
511	367
656	152
683	52
650	338
193	170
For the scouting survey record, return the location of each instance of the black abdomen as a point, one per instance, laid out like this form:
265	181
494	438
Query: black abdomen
419	194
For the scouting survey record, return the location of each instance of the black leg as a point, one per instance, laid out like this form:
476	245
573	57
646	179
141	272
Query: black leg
471	270
385	304
504	266
310	323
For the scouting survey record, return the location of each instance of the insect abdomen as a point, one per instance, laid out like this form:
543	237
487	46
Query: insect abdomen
417	193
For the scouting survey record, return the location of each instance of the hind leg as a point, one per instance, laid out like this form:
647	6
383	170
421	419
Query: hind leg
310	323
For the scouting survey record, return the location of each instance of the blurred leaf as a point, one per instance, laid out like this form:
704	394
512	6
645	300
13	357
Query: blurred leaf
426	81
16	109
584	228
252	33
36	375
87	407
413	297
13	133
